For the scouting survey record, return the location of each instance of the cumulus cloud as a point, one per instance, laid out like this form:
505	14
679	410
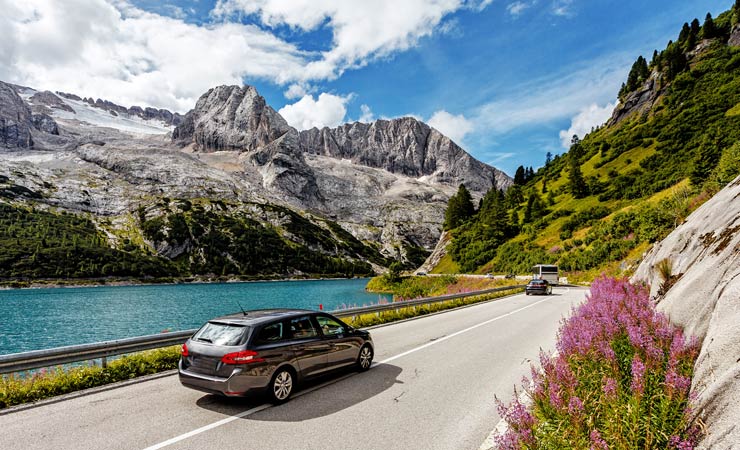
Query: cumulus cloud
362	30
366	115
453	126
517	8
589	117
112	49
328	110
124	54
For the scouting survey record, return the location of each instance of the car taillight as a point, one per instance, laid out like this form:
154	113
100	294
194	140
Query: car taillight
184	351
242	357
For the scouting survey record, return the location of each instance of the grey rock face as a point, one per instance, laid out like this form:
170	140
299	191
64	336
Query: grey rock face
50	100
404	146
638	102
735	36
231	118
15	119
44	123
705	302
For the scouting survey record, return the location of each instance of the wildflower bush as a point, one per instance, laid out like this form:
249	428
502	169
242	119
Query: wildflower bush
45	383
620	380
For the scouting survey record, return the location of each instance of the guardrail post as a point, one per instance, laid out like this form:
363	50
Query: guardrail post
103	362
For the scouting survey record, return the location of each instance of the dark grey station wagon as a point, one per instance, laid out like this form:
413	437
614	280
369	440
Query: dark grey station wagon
270	350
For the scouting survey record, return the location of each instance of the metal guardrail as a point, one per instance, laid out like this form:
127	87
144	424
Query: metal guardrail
18	362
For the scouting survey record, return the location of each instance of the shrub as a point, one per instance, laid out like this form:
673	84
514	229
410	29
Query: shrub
621	379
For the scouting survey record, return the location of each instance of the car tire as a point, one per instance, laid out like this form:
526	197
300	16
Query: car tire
527	293
281	385
365	358
549	291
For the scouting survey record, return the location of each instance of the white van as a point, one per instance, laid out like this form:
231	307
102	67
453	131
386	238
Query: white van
546	272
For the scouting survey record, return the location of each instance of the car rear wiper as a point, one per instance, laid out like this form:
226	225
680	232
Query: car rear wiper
204	340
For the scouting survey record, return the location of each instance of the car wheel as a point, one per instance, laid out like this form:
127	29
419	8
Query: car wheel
527	293
549	291
281	385
365	358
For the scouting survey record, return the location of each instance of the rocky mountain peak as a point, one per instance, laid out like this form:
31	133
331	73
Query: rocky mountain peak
404	146
231	118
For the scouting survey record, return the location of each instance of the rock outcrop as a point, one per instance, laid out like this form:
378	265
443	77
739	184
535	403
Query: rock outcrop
47	99
404	146
44	123
705	300
15	119
231	118
640	101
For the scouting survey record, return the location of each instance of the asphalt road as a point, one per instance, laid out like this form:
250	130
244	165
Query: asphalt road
432	387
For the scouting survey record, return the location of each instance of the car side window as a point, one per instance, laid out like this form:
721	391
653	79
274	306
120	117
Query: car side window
329	326
302	328
270	333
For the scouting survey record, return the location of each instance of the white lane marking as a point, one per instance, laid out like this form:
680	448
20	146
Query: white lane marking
457	333
304	392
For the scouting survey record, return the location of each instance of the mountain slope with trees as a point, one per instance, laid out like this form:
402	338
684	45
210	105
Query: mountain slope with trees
672	142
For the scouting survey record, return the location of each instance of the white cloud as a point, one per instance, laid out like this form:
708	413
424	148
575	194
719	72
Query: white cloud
112	49
562	7
517	8
126	55
499	157
555	97
367	115
453	126
327	110
296	90
362	30
589	117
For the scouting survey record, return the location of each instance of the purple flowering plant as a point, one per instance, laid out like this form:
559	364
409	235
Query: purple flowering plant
620	379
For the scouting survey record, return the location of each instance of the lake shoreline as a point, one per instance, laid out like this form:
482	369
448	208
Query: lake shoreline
95	282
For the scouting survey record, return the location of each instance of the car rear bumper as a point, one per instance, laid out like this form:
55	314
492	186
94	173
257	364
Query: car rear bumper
536	291
236	385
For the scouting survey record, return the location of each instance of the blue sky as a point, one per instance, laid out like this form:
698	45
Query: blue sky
508	80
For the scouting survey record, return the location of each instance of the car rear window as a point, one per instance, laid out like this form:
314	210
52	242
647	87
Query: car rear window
221	333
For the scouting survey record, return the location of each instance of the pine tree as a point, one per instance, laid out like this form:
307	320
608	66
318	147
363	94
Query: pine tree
577	184
736	12
709	30
684	34
459	208
696	26
548	156
675	60
706	160
520	176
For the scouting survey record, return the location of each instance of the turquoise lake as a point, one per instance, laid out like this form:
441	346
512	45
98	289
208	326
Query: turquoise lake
33	319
